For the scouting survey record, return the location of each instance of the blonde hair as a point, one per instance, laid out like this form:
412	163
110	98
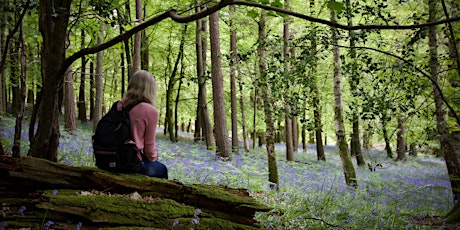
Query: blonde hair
142	86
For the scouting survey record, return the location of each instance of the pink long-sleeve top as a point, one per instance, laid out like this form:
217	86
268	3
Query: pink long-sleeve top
144	120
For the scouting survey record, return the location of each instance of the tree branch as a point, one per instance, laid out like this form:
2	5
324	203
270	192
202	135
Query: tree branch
451	109
172	13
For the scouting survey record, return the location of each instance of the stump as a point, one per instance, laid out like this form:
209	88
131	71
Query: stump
95	198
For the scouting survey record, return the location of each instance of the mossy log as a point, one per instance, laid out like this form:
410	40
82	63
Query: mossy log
68	195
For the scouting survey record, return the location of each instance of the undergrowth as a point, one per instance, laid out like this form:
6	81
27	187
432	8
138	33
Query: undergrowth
312	194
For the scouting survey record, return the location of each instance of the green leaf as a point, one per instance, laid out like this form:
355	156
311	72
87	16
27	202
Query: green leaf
266	2
277	3
337	6
253	14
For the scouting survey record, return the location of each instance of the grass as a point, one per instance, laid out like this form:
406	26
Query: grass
312	194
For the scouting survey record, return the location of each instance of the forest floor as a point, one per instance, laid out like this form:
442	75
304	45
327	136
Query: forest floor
398	195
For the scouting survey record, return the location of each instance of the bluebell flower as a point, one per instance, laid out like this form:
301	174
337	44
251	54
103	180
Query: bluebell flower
195	221
55	192
48	224
21	210
176	222
79	225
197	212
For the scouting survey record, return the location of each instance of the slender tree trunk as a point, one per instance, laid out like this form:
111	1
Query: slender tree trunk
14	80
220	122
169	91
3	52
199	71
386	138
401	143
268	103
181	76
233	67
447	146
348	169
69	102
243	114
203	127
288	133
145	52
137	38
92	90
287	108
254	116
99	83
355	136
81	93
320	154
20	116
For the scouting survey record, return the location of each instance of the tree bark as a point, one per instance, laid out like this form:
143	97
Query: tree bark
233	66
203	127
20	115
81	91
99	82
355	136
287	108
69	102
243	114
106	199
348	169
3	52
401	143
447	146
268	109
53	21
386	138
137	38
320	155
220	121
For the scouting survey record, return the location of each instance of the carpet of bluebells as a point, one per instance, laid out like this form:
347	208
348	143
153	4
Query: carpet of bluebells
311	194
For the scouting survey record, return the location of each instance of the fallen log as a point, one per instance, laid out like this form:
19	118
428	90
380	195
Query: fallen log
68	195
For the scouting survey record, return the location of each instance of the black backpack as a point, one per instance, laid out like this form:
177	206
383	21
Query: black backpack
113	144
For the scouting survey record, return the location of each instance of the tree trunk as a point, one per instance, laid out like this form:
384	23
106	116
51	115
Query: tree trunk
20	115
145	52
453	216
287	108
243	114
220	122
288	133
233	67
172	81
401	143
92	88
54	31
320	154
103	199
3	52
355	136
181	77
81	92
137	38
203	122
268	109
69	102
447	146
348	169
386	138
99	83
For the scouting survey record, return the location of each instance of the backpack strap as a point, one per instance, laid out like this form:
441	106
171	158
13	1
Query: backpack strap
129	106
